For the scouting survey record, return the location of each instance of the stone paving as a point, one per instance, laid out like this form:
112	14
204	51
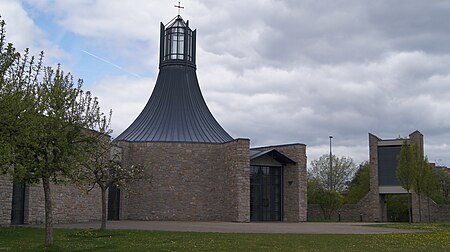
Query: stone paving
235	227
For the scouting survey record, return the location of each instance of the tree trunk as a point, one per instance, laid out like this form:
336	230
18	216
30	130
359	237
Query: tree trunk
429	214
48	212
409	208
104	207
420	209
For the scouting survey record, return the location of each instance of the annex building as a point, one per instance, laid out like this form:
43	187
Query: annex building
197	171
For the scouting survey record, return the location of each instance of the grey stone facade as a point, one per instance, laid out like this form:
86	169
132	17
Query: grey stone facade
373	206
6	191
189	181
70	203
430	210
205	182
295	182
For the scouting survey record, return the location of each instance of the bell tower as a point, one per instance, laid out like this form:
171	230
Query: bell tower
176	110
177	43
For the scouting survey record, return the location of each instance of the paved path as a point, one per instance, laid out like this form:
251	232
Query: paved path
234	227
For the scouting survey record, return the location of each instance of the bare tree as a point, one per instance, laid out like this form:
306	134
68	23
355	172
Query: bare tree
105	169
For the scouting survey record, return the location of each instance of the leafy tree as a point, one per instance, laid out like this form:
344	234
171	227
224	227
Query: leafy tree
312	189
414	173
360	184
343	170
429	187
397	207
104	169
442	180
406	171
420	178
18	78
46	123
328	200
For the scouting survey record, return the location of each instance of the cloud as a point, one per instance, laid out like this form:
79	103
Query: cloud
24	33
279	71
125	95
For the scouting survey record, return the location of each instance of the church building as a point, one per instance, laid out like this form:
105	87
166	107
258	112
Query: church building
197	171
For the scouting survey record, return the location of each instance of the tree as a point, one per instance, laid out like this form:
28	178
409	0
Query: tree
104	169
429	187
46	123
397	207
422	169
54	145
406	171
18	78
343	170
360	184
442	180
328	200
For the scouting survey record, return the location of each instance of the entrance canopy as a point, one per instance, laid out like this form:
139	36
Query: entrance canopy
278	156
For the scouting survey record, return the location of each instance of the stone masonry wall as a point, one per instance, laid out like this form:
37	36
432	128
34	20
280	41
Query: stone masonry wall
295	182
70	204
374	212
236	164
6	191
189	181
430	211
348	212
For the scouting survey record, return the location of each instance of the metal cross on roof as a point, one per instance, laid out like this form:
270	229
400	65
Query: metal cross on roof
179	7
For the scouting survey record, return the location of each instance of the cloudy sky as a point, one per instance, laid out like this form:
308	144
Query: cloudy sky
274	71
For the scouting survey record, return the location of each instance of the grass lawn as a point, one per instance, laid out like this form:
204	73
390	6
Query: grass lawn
31	239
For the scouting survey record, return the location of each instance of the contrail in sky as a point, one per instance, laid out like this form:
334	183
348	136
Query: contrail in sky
112	64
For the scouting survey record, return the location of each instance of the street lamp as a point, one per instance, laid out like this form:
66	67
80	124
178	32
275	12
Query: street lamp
331	166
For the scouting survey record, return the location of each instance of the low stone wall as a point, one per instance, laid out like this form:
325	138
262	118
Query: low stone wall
70	203
362	210
6	191
430	210
348	212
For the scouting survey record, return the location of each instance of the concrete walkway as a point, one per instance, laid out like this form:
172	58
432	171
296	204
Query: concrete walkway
234	227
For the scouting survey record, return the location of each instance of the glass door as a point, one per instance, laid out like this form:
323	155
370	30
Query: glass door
265	193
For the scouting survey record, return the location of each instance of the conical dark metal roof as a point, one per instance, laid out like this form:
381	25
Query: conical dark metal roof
176	110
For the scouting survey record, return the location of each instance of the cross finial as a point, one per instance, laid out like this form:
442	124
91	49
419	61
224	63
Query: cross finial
179	7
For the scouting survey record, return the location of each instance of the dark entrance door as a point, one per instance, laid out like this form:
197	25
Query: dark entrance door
113	202
18	204
265	193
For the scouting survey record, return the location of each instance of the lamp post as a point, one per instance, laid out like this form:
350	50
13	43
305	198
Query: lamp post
331	166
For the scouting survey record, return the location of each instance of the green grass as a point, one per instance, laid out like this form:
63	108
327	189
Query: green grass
31	239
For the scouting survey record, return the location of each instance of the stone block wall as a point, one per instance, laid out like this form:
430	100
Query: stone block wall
429	210
348	212
189	181
71	204
295	182
6	191
377	211
374	213
236	164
